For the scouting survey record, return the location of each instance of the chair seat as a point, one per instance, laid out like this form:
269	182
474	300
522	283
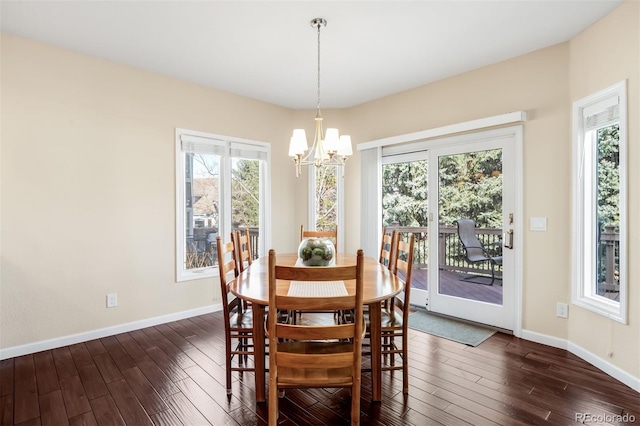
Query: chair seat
391	320
388	320
482	258
245	321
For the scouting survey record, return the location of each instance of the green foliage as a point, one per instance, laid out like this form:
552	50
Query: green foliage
608	192
245	192
326	197
608	176
470	186
404	193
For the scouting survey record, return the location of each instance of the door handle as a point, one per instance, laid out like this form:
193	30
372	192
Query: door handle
508	239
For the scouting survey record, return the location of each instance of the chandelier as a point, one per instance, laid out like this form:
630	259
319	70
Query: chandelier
328	149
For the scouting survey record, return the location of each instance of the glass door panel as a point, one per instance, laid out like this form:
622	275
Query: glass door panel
405	209
470	225
473	200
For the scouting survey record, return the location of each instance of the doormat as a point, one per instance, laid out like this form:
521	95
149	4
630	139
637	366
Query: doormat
448	328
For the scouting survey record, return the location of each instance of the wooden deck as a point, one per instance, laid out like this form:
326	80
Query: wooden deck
452	284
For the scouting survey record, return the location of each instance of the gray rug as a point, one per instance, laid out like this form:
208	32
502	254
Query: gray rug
451	329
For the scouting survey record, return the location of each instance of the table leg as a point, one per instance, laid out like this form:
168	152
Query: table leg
258	347
376	355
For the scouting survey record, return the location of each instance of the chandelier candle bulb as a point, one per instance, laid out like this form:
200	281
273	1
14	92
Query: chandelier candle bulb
331	140
298	144
344	146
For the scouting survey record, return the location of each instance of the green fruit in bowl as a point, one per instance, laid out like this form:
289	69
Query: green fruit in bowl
305	253
316	252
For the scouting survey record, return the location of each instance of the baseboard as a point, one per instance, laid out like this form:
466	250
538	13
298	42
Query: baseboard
601	363
103	332
544	339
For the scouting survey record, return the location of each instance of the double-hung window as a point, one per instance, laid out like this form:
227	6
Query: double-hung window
599	203
220	187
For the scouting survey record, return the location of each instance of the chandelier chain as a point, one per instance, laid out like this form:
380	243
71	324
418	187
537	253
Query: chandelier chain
318	105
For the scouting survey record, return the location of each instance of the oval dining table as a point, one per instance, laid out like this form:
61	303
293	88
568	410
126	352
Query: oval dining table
252	285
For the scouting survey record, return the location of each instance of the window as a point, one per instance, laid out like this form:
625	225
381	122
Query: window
599	184
220	186
326	202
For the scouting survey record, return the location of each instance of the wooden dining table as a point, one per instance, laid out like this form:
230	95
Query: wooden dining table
252	285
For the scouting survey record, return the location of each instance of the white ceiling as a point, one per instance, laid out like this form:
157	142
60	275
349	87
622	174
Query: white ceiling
267	50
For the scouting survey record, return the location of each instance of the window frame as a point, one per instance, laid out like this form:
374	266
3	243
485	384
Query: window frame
584	185
228	145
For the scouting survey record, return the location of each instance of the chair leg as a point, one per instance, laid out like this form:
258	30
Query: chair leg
241	348
228	356
392	346
475	277
405	363
355	404
493	272
274	410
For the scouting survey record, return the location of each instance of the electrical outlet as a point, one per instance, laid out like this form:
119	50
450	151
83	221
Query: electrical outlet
562	310
112	300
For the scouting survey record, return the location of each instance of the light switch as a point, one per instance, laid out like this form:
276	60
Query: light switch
538	224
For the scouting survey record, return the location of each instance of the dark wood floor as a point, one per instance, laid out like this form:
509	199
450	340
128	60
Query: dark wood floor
174	373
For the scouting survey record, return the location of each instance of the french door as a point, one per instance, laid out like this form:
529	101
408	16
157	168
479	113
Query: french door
472	177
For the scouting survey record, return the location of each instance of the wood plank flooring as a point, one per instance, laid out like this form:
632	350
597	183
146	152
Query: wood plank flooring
173	374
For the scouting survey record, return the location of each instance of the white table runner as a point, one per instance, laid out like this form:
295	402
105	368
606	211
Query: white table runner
317	289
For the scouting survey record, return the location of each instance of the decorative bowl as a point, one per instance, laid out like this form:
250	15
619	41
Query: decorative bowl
316	252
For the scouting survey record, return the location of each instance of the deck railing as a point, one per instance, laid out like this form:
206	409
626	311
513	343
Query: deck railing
202	250
254	238
610	243
451	255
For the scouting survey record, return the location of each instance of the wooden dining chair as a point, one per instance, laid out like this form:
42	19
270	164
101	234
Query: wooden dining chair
333	235
243	248
387	247
238	323
395	315
315	356
243	252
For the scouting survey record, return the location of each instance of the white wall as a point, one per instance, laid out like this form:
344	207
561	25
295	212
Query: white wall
88	188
